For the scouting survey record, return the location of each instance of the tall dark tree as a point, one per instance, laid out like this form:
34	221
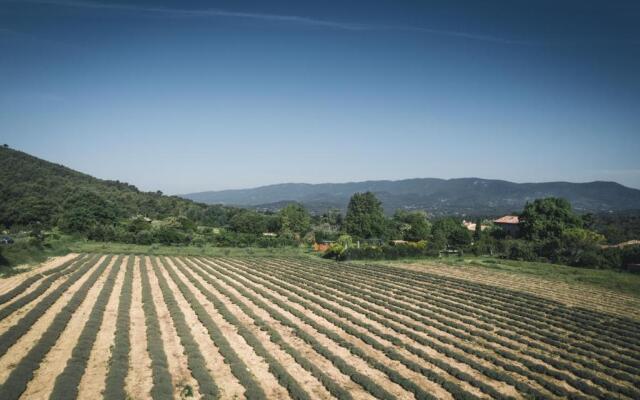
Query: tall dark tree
548	218
412	225
294	218
248	222
365	216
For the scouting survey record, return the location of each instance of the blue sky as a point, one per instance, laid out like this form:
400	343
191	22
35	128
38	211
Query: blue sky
190	96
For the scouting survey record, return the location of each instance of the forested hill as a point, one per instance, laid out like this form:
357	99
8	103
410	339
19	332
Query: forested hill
437	196
35	192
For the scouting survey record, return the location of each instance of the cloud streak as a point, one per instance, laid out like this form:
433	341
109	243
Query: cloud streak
273	18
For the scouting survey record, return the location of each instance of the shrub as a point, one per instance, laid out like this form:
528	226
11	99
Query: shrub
519	250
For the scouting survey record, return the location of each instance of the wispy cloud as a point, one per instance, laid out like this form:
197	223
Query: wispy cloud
26	37
274	18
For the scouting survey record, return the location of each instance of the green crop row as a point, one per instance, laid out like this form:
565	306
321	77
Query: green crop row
275	337
585	319
195	359
119	361
16	383
311	304
238	367
361	379
321	291
67	383
525	311
34	294
24	285
162	388
393	375
284	378
11	336
384	302
567	355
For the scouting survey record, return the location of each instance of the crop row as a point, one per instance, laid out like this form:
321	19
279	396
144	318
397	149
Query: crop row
393	375
24	285
385	318
195	359
284	378
162	388
238	367
466	292
23	372
453	310
34	294
582	319
315	300
566	320
11	336
394	323
576	371
67	383
277	339
535	367
349	370
567	355
119	361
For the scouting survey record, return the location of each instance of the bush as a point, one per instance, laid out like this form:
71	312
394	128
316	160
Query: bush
144	237
519	250
384	252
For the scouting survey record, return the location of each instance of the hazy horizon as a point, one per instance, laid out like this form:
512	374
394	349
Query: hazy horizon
194	96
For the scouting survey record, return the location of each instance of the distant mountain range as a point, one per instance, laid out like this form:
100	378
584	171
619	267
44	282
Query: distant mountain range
464	196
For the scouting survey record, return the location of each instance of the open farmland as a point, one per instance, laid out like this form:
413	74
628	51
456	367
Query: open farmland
144	327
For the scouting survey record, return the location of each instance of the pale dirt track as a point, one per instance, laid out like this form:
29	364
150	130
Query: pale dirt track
372	333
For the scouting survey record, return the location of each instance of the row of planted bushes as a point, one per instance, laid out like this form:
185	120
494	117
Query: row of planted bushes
380	252
565	366
24	285
363	380
296	392
616	331
519	317
44	285
575	383
162	388
390	321
169	235
239	369
16	383
13	334
337	391
119	361
195	360
67	383
312	303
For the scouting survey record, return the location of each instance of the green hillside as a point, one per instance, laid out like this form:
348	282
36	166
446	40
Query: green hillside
37	193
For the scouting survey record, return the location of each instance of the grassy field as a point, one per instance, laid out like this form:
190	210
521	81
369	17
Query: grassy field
254	327
624	282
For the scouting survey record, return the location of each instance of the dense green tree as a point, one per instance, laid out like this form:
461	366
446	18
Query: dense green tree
248	222
84	210
451	232
412	225
294	218
580	247
365	216
547	219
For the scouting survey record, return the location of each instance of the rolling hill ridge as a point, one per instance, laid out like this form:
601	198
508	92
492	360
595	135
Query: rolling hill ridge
468	196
